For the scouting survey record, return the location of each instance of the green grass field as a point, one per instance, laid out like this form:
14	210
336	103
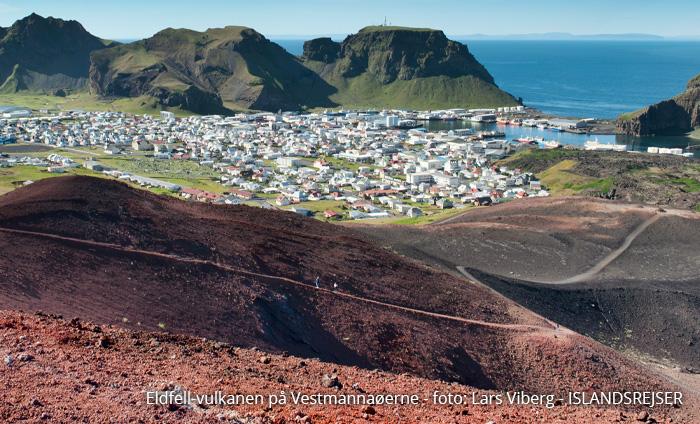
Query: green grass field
629	115
85	101
13	177
423	93
350	166
427	219
183	173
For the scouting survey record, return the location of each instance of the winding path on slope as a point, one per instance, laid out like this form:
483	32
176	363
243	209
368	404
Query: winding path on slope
587	275
447	219
593	271
521	327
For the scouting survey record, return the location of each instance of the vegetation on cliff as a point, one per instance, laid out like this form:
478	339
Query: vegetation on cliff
224	69
39	53
403	68
652	179
208	72
678	115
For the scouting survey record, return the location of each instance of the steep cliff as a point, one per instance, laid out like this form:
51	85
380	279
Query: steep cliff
45	54
403	67
209	72
224	69
680	114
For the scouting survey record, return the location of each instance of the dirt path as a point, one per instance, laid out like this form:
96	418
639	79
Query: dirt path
587	275
82	152
473	279
448	218
521	327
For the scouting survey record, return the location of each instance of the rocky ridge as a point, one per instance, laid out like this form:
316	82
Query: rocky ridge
208	72
233	68
403	67
39	53
680	114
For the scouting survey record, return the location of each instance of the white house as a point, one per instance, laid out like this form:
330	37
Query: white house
288	162
282	200
414	212
166	116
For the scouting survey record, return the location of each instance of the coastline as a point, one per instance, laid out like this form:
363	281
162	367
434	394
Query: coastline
597	127
601	126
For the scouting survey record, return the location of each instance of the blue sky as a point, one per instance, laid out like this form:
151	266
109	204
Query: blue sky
131	19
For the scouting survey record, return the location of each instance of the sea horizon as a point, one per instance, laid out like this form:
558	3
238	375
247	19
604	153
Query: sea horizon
592	79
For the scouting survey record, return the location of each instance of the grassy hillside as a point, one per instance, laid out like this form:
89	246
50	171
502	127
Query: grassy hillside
81	99
38	53
396	67
438	92
645	178
677	115
235	68
215	71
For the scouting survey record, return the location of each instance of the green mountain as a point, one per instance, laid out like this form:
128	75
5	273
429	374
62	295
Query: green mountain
224	69
399	67
680	114
39	53
237	68
209	72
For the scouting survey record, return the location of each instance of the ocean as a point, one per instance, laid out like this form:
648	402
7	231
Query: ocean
593	79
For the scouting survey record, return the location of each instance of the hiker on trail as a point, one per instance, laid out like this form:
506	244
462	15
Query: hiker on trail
318	279
335	287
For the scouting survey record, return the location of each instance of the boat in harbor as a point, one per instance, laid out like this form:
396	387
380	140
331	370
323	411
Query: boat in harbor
491	134
529	140
405	124
429	116
551	144
555	129
463	132
484	118
515	122
542	125
502	120
596	145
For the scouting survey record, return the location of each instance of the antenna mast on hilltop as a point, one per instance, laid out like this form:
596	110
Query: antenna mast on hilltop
384	20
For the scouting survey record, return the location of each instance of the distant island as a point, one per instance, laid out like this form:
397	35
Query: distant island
563	36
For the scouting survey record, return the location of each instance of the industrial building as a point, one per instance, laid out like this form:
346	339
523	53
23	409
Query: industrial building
568	124
10	112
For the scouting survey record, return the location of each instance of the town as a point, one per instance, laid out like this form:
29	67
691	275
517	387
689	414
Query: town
332	166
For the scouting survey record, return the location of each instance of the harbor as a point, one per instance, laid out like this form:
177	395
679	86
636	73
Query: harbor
520	125
567	138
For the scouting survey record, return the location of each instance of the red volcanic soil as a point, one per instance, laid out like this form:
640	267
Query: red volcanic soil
60	371
99	249
624	274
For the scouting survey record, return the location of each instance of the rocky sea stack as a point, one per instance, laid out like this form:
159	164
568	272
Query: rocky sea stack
678	115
